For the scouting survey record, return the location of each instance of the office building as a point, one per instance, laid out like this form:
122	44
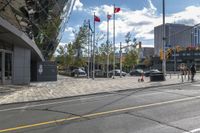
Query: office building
176	35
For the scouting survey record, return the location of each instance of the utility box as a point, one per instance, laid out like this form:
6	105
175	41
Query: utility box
157	77
44	71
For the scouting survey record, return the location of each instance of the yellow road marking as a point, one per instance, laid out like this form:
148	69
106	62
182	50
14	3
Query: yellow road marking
97	114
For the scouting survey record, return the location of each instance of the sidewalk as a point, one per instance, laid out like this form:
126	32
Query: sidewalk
68	87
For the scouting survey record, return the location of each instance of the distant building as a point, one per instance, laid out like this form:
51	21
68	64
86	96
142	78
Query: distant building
176	35
146	52
195	38
186	57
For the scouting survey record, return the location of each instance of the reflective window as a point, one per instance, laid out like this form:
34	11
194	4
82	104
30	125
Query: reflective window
8	66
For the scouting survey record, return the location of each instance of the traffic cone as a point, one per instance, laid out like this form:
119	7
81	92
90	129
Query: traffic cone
142	79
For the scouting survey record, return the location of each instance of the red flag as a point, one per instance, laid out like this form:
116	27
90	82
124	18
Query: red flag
96	19
109	16
117	9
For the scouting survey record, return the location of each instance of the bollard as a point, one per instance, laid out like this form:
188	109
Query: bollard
185	75
182	78
170	75
188	75
178	75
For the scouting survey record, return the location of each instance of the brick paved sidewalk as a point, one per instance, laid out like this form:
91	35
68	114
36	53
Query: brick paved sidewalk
67	87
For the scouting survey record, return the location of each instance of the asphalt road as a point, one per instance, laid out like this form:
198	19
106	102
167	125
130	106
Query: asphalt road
172	109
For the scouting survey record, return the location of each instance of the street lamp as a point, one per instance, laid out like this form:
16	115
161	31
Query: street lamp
164	41
120	51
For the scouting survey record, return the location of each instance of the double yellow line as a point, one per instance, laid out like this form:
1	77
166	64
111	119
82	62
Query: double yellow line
97	114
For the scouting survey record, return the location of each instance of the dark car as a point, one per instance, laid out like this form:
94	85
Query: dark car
136	72
100	73
117	73
148	73
78	73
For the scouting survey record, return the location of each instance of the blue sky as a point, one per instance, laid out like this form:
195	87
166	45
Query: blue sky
136	16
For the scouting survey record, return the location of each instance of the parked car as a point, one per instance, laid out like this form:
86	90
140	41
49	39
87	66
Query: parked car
136	72
148	73
117	73
78	73
100	73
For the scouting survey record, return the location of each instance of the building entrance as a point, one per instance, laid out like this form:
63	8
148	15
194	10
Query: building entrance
5	67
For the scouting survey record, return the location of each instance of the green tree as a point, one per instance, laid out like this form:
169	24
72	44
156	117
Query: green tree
70	55
131	59
129	40
79	45
148	61
104	50
61	50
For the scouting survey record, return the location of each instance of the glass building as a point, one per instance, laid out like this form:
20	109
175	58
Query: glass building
30	31
195	36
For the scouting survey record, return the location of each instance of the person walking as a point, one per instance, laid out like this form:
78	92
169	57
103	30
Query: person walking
193	71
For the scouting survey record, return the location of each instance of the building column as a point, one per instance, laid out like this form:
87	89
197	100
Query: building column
3	67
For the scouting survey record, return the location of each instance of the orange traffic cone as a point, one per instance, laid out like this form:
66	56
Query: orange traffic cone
142	79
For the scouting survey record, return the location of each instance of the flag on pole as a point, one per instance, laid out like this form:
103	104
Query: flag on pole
109	16
89	25
96	18
117	9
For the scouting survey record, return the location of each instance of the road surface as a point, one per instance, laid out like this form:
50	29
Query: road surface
172	109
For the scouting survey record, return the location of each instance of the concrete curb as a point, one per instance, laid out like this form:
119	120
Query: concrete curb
100	93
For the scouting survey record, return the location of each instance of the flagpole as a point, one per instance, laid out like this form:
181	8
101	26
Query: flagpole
93	74
114	42
91	54
88	72
107	45
90	42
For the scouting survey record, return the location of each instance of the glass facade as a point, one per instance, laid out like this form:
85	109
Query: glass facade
43	21
195	36
8	66
6	63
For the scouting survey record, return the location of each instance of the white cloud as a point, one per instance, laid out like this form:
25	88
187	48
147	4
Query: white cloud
101	10
62	44
69	32
142	22
78	5
190	13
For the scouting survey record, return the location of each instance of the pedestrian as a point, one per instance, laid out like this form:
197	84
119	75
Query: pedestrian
193	71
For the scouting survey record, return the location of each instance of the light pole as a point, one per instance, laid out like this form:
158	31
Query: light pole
164	40
120	59
88	71
107	66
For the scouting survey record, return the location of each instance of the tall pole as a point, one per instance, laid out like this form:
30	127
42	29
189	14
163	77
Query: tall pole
91	53
88	72
107	46
114	42
164	41
174	59
120	59
93	74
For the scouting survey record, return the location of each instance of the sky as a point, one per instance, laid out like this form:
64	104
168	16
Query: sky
139	17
